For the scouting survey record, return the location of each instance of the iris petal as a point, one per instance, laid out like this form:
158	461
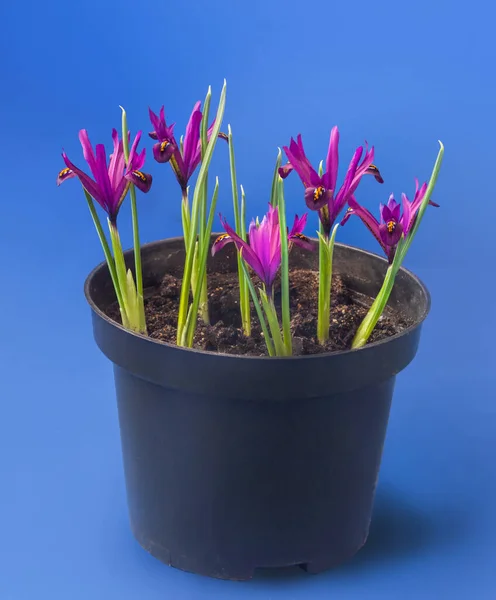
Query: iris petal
317	197
223	240
163	151
66	173
143	181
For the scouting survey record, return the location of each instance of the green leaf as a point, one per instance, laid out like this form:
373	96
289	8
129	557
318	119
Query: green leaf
125	141
286	315
185	216
326	250
243	213
275	330
141	322
259	311
425	201
132	298
204	144
275	179
186	284
202	261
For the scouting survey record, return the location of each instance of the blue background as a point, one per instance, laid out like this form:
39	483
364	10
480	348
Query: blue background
402	76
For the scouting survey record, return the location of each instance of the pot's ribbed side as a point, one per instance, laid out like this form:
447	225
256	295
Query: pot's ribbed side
234	463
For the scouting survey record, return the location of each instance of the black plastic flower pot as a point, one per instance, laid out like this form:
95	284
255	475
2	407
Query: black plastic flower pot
234	463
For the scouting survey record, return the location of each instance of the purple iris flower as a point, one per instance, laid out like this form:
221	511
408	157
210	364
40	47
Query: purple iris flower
263	253
393	223
320	192
167	149
111	182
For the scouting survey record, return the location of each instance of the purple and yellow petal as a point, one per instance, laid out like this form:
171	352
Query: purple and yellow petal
390	233
163	151
317	197
299	224
367	219
66	173
223	240
143	181
298	239
285	170
373	170
246	251
89	185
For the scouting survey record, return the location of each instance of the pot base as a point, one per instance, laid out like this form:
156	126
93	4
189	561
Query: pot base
236	572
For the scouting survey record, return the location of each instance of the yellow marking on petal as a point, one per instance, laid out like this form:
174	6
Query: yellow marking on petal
163	145
140	175
391	226
65	172
221	238
373	170
318	193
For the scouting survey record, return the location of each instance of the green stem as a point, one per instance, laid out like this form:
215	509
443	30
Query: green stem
243	213
244	291
326	251
200	280
185	216
198	298
272	320
323	311
120	267
134	293
108	256
204	313
204	238
137	262
259	311
286	315
244	301
197	196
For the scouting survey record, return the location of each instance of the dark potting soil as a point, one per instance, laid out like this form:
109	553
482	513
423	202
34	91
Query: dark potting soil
225	335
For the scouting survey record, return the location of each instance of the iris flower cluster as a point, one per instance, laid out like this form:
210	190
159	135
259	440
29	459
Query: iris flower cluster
263	249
